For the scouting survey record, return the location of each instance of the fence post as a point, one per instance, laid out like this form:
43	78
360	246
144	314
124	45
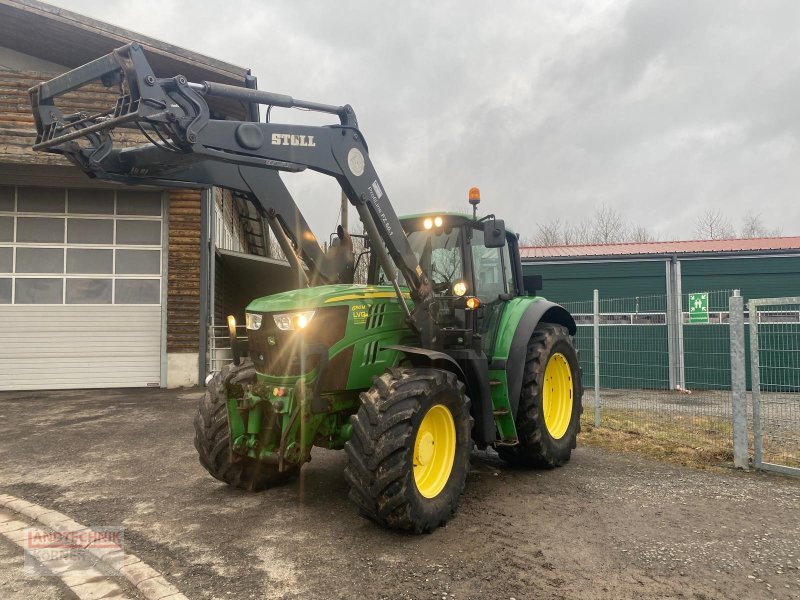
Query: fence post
755	383
681	375
671	334
738	381
596	355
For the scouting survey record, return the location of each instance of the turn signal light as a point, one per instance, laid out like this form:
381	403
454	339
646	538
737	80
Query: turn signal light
279	392
473	303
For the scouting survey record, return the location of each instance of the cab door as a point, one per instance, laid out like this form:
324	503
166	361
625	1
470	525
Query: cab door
492	284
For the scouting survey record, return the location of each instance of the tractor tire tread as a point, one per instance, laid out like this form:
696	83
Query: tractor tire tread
533	450
378	452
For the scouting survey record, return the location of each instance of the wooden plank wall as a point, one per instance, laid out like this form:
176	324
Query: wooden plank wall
17	134
17	130
183	289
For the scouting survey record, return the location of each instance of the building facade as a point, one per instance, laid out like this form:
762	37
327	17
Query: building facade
645	291
102	285
760	267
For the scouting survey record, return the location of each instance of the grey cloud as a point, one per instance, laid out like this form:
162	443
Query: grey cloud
659	109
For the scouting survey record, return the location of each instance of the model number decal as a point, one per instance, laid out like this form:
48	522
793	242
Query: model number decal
360	313
381	215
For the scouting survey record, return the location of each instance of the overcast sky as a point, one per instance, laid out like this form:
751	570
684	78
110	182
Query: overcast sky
660	109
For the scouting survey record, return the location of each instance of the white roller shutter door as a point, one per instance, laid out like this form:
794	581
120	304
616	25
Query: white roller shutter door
80	288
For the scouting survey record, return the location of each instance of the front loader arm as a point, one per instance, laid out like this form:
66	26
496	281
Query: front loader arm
188	146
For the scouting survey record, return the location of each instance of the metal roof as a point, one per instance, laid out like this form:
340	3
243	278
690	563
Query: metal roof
628	249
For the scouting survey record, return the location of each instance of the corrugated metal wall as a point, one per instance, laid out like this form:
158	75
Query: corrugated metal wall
575	281
705	367
757	277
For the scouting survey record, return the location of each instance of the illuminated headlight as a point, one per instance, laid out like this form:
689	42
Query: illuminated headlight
438	221
253	321
459	288
427	223
292	321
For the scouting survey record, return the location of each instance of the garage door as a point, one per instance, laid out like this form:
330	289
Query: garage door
80	288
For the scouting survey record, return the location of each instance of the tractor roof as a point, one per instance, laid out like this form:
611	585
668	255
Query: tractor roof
455	218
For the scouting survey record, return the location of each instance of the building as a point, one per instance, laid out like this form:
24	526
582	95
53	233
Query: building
101	285
645	289
759	267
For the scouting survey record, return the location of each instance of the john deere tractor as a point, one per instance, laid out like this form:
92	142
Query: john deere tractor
445	347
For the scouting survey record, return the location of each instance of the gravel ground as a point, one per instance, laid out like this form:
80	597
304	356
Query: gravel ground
18	583
606	525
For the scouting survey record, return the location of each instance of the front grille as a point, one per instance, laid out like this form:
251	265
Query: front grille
276	352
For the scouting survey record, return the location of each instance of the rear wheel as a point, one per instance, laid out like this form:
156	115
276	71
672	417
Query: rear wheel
212	436
550	404
408	457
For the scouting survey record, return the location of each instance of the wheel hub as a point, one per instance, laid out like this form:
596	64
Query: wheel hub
434	450
426	449
557	395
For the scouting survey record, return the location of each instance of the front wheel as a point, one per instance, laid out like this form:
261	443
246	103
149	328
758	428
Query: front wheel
550	404
408	457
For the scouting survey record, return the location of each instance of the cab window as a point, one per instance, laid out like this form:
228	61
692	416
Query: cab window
509	269
439	255
488	269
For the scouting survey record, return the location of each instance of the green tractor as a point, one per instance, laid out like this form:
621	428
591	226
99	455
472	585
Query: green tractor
444	347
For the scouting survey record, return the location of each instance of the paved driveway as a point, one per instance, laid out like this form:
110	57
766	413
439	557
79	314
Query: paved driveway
606	525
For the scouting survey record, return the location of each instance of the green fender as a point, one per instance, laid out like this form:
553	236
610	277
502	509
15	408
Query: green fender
516	326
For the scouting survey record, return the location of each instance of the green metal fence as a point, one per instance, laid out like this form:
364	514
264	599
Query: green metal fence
659	375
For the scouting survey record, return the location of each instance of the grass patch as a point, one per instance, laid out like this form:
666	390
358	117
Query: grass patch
697	441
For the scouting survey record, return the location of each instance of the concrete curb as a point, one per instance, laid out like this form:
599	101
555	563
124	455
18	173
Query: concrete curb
149	582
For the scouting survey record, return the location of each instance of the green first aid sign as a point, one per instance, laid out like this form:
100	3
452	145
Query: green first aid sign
698	308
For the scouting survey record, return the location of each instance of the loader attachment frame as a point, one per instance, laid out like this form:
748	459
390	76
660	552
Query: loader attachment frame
187	146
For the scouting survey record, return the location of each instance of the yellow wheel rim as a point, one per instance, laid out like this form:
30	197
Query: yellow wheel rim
434	450
557	395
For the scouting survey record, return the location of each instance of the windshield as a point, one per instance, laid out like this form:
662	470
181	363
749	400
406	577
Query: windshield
439	255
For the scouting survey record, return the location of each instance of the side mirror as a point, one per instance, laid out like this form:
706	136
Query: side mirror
494	233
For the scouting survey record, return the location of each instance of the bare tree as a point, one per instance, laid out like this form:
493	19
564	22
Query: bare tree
361	253
548	234
579	232
605	226
608	226
713	225
753	227
640	233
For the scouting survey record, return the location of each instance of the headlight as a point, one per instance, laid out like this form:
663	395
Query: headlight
253	321
438	221
292	321
459	288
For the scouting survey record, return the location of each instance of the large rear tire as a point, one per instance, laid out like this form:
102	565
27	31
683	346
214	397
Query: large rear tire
212	435
550	405
408	457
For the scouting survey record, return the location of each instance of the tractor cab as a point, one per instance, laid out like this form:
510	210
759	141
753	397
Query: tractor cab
474	268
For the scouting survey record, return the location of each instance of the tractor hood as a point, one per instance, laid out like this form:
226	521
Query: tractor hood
323	295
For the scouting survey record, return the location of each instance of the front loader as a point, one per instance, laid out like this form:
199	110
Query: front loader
443	348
